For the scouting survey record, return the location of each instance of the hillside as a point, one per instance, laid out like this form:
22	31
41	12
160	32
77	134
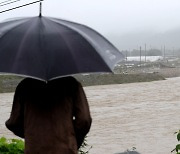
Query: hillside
153	39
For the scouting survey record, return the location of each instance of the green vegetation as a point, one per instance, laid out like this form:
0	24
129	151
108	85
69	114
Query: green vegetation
102	79
136	52
11	146
16	146
84	147
177	149
8	83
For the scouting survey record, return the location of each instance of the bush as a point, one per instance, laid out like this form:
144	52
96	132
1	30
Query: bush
11	146
83	149
177	149
15	146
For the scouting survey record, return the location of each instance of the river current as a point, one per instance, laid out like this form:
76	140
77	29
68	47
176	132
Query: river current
125	116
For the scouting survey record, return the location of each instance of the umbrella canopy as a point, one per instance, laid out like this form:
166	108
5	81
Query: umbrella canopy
46	48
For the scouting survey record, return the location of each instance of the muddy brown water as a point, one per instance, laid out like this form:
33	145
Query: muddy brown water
141	115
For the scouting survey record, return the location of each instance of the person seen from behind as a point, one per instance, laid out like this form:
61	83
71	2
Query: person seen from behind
52	117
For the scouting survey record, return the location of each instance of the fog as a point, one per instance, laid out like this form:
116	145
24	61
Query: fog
126	23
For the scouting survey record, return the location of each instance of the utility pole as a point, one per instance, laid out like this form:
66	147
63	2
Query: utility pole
145	53
164	52
126	56
129	53
140	56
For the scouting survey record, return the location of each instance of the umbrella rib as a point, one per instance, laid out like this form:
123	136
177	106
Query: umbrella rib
11	27
94	44
85	36
71	52
64	41
62	22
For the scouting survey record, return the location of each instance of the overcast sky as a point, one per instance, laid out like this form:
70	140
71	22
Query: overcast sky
107	16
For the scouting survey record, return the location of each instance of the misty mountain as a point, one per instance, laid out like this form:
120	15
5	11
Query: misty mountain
170	39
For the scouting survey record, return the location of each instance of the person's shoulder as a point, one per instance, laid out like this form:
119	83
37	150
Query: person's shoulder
64	80
29	82
68	82
22	84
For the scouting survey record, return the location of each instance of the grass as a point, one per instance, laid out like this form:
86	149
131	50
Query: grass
102	79
8	83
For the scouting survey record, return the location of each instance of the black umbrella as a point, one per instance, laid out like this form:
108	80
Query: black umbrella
48	48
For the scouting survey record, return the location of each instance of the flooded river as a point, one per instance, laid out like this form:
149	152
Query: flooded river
141	115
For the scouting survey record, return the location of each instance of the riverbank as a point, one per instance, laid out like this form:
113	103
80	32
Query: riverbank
8	83
124	72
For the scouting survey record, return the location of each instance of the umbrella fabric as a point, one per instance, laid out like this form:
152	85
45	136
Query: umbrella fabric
48	48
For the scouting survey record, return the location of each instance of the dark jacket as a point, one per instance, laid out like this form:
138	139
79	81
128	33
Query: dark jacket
53	117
